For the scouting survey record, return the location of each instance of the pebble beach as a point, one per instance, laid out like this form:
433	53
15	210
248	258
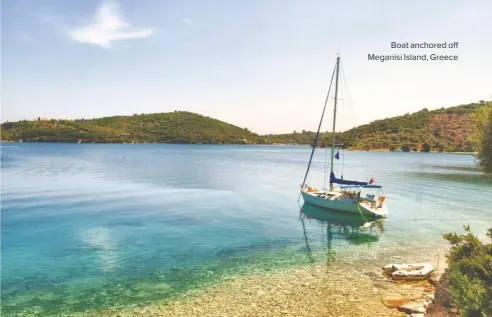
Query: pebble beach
321	290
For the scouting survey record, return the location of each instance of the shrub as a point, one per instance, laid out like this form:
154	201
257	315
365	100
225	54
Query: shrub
470	273
482	136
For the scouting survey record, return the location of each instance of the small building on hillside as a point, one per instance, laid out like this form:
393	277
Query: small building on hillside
43	119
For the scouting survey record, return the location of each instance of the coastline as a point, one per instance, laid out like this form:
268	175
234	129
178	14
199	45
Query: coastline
338	288
242	144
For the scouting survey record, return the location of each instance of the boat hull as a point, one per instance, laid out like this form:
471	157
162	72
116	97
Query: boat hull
344	205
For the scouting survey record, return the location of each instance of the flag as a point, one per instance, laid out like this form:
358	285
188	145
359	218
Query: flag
337	156
371	181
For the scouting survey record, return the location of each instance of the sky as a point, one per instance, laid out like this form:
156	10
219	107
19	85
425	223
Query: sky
260	64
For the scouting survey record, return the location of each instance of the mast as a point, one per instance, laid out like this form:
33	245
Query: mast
319	126
334	121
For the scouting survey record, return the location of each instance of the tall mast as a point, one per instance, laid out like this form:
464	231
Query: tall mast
319	126
334	121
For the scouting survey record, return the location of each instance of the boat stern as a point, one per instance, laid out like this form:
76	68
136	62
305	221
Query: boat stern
379	211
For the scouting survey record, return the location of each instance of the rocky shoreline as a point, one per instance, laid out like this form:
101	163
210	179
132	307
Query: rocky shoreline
323	290
442	305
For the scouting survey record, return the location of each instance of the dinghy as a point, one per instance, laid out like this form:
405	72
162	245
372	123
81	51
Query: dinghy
417	271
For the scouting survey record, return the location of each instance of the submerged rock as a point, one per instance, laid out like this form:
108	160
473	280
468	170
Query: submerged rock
394	300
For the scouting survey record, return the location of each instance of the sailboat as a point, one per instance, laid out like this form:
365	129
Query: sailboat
343	195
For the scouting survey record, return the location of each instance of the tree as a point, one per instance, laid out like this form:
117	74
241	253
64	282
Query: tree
481	136
405	148
392	148
470	273
426	147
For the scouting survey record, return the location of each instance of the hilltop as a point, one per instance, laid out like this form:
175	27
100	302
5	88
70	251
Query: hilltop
174	127
444	129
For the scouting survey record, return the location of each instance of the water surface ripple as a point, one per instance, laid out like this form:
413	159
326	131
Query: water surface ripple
90	226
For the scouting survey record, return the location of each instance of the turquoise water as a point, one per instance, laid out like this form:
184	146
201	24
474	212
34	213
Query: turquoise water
92	226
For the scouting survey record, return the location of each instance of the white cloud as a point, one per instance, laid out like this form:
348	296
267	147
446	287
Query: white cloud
108	26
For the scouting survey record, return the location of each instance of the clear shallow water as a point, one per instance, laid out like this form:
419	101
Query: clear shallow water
87	227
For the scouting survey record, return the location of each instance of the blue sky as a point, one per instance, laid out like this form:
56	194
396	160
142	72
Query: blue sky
260	64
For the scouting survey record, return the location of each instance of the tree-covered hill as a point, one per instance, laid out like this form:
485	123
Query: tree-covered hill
445	129
174	127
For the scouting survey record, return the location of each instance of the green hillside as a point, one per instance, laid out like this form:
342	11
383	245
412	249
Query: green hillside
174	127
445	129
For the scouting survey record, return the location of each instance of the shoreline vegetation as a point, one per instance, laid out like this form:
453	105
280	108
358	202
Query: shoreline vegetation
280	144
273	144
441	130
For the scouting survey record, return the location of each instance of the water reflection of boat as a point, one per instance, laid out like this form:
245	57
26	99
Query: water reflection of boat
339	226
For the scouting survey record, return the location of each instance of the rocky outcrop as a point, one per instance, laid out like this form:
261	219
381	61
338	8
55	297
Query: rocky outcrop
443	304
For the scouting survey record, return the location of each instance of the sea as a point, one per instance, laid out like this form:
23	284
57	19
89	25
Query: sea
92	227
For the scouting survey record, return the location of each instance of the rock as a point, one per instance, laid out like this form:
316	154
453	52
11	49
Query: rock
453	310
394	300
434	279
430	297
412	307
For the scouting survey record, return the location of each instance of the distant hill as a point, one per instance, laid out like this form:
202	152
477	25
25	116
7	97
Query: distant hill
444	129
174	127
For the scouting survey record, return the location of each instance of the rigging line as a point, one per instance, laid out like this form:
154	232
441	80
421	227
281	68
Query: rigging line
396	248
342	109
326	168
370	173
334	121
319	127
361	213
348	95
